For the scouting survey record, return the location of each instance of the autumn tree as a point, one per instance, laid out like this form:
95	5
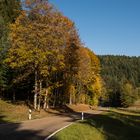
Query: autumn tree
38	40
96	80
83	75
128	95
45	49
71	65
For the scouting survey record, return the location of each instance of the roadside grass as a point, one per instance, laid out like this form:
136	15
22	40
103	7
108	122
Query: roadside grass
80	131
131	110
15	113
111	125
126	111
19	111
12	113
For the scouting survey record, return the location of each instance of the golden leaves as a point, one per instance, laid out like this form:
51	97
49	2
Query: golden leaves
35	37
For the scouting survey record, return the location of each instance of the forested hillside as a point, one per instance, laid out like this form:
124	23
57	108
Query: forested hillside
121	75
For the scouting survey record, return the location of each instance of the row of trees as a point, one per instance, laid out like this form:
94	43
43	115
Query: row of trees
121	75
45	61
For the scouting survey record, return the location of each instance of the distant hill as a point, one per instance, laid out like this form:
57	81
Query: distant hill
121	68
117	71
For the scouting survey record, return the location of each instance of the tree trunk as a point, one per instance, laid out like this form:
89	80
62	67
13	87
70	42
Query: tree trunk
70	99
14	96
39	100
55	94
35	95
54	101
45	99
38	107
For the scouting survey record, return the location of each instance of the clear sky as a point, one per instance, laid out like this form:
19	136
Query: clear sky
105	26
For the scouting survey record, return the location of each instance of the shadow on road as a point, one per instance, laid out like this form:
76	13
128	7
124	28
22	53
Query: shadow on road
68	112
11	131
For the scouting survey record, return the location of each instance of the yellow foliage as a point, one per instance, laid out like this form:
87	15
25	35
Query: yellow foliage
36	39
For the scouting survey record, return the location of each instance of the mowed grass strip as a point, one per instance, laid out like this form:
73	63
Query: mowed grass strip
79	131
112	125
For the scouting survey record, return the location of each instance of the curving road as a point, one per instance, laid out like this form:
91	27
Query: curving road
37	129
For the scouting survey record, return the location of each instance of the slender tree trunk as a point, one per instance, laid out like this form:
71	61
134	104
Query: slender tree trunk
35	95
54	101
70	99
45	99
14	96
39	100
38	107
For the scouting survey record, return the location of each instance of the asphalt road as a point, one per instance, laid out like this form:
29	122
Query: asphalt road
36	129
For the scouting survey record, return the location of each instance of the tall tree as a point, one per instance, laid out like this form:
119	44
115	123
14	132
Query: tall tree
37	40
71	65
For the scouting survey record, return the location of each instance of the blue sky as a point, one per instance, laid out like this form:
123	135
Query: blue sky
105	26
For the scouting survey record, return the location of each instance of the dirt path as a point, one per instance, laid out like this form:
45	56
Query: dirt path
38	129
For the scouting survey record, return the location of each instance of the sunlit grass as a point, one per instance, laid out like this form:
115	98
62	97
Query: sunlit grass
113	125
80	131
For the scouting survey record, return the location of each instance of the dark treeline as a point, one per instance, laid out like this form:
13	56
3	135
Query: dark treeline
121	75
9	10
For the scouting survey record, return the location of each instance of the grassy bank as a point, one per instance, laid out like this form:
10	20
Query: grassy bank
113	125
17	112
12	113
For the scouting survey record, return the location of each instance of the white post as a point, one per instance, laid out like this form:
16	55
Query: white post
82	116
30	114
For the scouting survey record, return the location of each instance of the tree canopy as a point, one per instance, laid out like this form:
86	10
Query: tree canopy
45	49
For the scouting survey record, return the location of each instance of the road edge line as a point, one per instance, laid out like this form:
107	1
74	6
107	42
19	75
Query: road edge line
51	135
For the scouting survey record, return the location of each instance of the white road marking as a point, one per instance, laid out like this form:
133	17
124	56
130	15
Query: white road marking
47	138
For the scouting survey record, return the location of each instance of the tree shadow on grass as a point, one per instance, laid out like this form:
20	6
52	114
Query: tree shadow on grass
116	128
2	120
133	120
135	110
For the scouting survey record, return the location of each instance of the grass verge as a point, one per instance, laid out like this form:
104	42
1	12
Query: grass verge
112	125
11	113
